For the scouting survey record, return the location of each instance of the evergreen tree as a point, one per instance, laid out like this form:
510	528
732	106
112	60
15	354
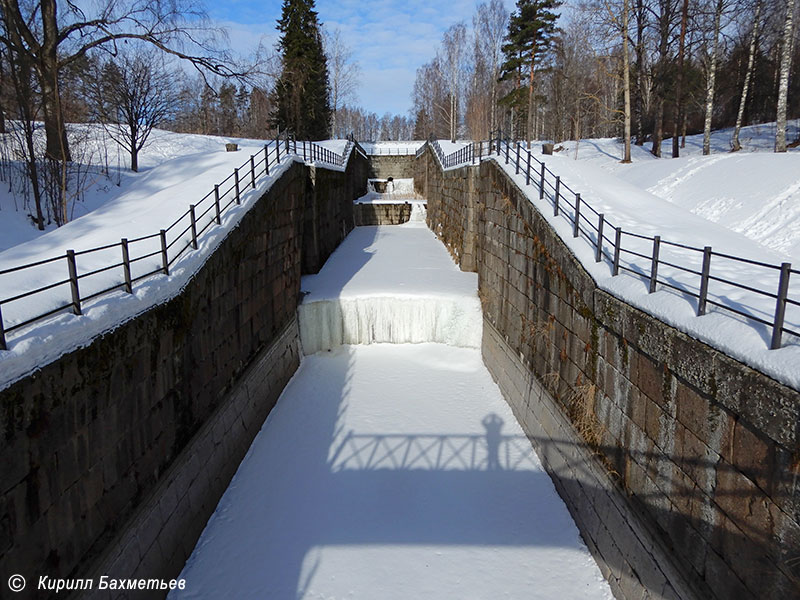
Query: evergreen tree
531	35
301	98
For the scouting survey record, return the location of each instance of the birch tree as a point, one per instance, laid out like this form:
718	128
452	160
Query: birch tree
783	77
343	73
490	23
454	44
711	78
735	145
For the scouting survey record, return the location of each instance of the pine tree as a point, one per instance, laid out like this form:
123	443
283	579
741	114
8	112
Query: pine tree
301	98
530	37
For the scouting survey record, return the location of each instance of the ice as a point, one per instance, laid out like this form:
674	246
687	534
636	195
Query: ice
393	284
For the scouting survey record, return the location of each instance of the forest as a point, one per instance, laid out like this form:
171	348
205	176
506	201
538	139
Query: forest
643	71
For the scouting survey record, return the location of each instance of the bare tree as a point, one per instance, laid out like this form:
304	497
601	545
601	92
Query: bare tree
783	78
711	78
735	145
343	74
626	84
50	41
133	94
454	43
676	119
490	23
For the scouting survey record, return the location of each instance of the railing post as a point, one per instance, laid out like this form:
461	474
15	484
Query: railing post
480	151
236	181
194	226
304	151
164	258
528	170
541	183
253	170
702	299
216	204
617	249
3	345
507	144
598	253
266	159
557	195
576	225
780	306
73	282
654	268
516	168
277	150
126	265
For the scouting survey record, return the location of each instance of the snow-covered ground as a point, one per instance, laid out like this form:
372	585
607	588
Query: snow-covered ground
392	471
177	170
754	192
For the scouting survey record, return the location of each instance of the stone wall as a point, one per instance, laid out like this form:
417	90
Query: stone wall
89	438
697	454
385	166
381	214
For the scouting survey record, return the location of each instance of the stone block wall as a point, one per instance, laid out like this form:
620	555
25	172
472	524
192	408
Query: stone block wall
699	452
381	214
384	166
87	439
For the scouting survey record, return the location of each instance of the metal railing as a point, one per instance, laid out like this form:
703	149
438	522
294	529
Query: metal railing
376	149
119	266
637	254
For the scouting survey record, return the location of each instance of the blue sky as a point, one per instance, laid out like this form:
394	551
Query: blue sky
389	39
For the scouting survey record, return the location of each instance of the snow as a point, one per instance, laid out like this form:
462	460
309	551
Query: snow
635	209
375	477
403	148
754	192
392	284
176	170
449	147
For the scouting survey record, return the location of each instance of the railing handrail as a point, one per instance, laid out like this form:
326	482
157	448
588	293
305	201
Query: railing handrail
208	209
536	172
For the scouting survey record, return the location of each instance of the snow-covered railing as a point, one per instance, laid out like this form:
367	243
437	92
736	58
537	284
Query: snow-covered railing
390	150
642	255
121	265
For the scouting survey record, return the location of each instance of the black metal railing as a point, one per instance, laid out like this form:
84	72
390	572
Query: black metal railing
634	253
98	271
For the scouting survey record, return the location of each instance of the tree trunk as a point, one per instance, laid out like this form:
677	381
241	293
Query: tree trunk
658	133
54	126
679	83
712	75
530	132
21	72
783	83
747	77
639	102
626	78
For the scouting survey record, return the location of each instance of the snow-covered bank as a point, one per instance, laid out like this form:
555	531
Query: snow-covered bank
754	192
643	213
392	284
391	472
159	196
